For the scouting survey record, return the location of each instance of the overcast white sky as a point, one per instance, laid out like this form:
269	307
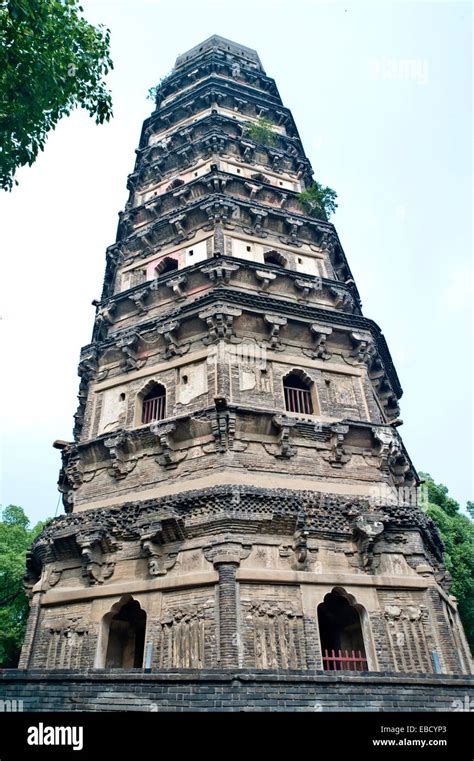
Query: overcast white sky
381	94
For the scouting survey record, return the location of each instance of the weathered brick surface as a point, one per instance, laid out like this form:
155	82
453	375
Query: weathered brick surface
234	690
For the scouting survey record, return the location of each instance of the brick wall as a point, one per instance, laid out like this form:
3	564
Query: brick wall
233	690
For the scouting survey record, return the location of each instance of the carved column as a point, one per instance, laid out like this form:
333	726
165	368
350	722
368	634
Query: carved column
226	559
229	651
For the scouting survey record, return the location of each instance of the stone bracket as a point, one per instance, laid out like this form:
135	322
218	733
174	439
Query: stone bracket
275	323
168	331
223	423
117	446
93	548
221	272
339	455
177	285
168	457
392	455
139	299
127	345
284	425
159	561
364	348
294	226
265	277
219	319
320	335
368	527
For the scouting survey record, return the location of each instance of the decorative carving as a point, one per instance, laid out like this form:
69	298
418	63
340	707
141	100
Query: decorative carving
96	568
363	348
300	545
275	635
178	285
392	455
339	455
219	320
177	225
139	298
307	286
67	638
225	552
53	576
223	423
159	561
265	276
368	527
258	215
328	241
320	335
220	272
118	454
182	637
294	226
342	299
127	344
168	330
406	630
284	425
103	318
275	323
168	458
88	364
220	211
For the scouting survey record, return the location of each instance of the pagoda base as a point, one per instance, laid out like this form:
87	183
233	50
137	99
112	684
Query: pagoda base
231	690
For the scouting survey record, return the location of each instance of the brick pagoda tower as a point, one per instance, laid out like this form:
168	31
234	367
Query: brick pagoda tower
237	494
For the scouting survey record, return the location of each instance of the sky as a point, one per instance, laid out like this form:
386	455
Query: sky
382	96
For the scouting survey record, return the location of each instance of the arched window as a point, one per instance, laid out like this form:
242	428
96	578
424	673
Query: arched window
175	184
126	636
275	258
297	390
168	264
154	404
340	632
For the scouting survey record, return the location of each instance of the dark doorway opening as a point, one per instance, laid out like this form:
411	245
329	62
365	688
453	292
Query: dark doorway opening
166	265
340	631
126	643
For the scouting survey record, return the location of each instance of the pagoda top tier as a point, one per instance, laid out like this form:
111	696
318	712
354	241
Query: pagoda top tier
223	45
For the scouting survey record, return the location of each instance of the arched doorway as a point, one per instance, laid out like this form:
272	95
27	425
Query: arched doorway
126	640
340	632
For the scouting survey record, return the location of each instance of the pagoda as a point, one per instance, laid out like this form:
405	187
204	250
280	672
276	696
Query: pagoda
237	494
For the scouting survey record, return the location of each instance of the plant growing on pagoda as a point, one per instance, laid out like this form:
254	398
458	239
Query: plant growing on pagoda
154	93
318	201
261	131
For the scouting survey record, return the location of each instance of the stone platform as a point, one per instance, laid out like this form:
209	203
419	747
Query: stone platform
233	690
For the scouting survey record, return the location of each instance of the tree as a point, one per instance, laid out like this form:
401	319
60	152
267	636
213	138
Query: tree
318	201
15	539
51	61
457	532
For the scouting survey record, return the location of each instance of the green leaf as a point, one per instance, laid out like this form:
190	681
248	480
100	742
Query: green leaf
41	40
